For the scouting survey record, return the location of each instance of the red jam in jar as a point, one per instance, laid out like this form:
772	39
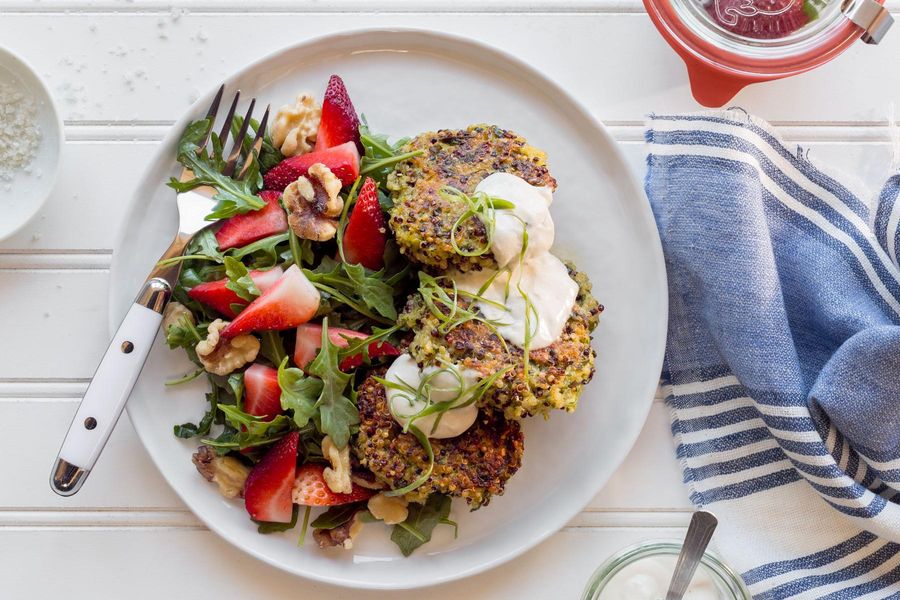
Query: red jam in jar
764	19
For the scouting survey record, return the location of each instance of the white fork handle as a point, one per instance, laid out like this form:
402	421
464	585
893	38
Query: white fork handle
109	389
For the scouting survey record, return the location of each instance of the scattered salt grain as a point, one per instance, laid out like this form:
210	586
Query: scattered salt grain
20	135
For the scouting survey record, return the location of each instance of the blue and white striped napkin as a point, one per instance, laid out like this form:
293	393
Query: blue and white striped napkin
783	359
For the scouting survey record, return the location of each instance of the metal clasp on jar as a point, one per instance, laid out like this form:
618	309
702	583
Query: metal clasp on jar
873	17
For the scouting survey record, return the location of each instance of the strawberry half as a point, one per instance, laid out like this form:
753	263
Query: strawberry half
310	489
215	295
366	233
339	122
292	300
343	160
309	341
262	394
267	491
244	229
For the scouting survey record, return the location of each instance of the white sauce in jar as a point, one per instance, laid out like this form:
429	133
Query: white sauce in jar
648	579
535	290
450	384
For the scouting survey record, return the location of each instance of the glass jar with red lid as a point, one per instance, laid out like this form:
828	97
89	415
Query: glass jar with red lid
729	44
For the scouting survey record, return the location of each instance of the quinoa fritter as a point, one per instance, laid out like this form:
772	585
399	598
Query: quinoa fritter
475	465
422	220
556	373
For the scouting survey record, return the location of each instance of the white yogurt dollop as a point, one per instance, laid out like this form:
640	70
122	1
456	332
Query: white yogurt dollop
453	385
535	291
648	579
532	211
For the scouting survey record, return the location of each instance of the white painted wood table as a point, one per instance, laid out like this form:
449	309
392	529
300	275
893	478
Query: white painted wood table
122	71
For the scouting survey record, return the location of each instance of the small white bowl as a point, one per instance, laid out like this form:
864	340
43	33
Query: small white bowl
28	191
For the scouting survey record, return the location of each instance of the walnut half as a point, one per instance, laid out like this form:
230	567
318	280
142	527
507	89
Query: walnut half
220	356
313	203
175	314
295	126
390	509
229	473
341	536
337	476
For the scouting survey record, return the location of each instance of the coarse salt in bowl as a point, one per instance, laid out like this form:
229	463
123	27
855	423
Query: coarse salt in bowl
31	138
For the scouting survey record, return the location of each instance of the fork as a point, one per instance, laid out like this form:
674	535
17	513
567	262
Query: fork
118	371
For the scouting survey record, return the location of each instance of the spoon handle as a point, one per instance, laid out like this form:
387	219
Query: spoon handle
699	532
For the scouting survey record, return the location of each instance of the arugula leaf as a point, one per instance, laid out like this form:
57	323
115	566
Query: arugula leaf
305	526
337	515
203	247
264	252
369	294
385	201
232	196
337	413
270	527
423	518
205	243
269	155
185	334
239	280
272	347
300	250
380	156
189	430
247	431
232	385
299	393
185	378
373	290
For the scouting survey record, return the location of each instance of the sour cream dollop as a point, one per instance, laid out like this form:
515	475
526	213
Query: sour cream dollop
451	384
648	579
533	293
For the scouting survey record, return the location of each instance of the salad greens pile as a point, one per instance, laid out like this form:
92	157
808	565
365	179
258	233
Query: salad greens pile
320	399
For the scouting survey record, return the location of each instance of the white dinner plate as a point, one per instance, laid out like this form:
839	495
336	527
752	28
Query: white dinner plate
406	82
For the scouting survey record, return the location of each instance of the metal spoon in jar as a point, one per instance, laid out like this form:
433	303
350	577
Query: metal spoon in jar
699	532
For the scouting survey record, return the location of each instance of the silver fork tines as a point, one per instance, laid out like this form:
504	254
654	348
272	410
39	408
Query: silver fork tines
226	127
257	142
237	146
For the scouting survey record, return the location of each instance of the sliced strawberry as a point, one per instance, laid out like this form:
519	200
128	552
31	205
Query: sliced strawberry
241	230
267	491
309	341
292	300
215	295
339	122
366	232
262	394
343	160
310	489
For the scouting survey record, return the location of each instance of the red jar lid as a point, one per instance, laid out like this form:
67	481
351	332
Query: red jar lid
728	44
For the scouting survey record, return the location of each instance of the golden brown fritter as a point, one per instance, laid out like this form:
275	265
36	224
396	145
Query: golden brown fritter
475	465
422	220
556	374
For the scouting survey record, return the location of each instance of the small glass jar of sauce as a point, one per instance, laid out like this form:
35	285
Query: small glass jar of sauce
643	572
729	44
